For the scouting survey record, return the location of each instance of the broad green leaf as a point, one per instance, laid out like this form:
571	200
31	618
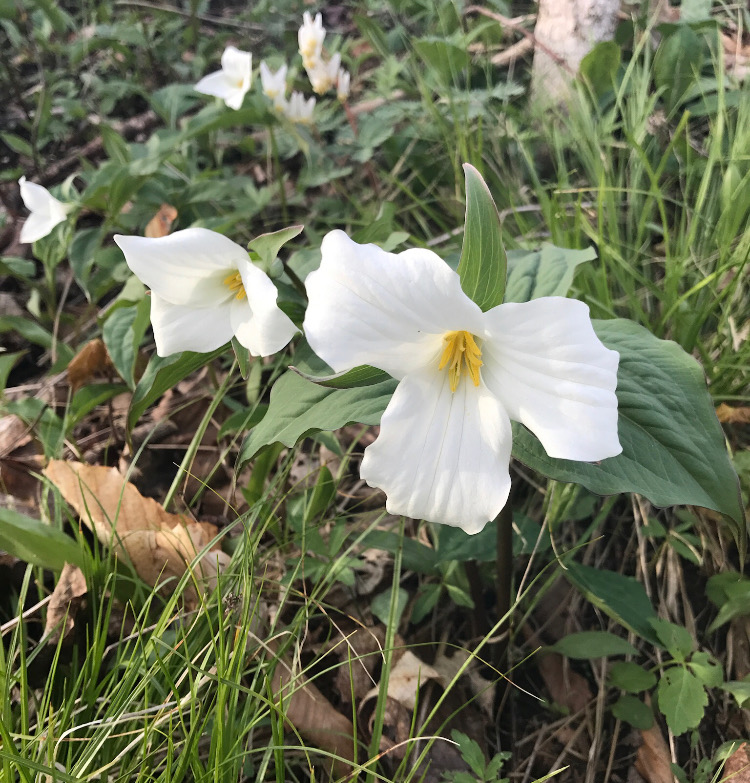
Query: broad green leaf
471	753
267	246
585	645
88	397
299	408
633	711
364	375
381	606
677	64
445	59
483	263
599	67
34	542
415	556
675	638
545	272
740	689
631	677
122	333
162	373
682	699
621	597
673	445
707	669
7	362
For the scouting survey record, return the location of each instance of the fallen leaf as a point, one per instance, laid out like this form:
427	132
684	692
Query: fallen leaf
158	544
728	414
407	676
64	603
737	767
653	760
90	361
161	223
566	687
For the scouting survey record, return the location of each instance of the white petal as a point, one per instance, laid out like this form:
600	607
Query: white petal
257	321
238	65
46	211
543	360
179	328
384	309
441	455
185	268
220	85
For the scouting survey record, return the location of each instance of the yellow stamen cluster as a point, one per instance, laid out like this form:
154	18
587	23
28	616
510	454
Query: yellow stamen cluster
462	353
234	283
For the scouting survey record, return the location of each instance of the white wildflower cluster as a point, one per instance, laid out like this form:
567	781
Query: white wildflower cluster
323	74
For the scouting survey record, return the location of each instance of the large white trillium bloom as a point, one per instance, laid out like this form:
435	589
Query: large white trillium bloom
232	81
204	291
46	211
445	438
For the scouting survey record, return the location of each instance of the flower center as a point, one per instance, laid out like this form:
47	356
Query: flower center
234	283
462	354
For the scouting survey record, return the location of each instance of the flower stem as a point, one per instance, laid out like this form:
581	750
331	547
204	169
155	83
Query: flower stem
504	581
278	172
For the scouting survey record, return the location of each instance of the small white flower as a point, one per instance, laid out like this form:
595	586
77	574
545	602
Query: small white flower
232	81
46	211
204	291
300	110
274	84
310	38
343	84
323	75
445	438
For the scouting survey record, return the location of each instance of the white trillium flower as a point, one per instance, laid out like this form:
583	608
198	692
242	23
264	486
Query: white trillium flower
298	109
324	75
343	84
232	81
310	37
274	84
46	211
445	438
204	291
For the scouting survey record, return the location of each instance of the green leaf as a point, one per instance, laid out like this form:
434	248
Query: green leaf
675	638
471	753
682	699
364	375
162	373
633	711
599	67
621	597
707	669
299	408
677	64
122	333
740	689
444	59
267	246
585	645
631	677
545	272
381	606
483	263
7	362
34	542
673	445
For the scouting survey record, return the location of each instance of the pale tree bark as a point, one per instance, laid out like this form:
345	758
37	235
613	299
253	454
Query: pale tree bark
566	30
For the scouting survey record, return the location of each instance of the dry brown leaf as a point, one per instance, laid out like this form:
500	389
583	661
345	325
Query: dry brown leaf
566	687
158	544
359	655
161	223
91	360
737	767
407	676
64	603
315	718
653	760
730	415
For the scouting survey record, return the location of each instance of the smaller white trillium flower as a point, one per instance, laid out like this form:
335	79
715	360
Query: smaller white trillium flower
324	75
298	109
232	81
204	291
274	84
343	84
445	438
46	211
310	38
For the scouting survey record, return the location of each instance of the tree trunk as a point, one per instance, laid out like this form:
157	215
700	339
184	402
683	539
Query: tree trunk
566	30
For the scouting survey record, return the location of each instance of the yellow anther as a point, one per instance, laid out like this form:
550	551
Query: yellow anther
462	353
234	283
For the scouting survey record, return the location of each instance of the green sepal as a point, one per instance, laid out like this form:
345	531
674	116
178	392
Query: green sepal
267	246
483	264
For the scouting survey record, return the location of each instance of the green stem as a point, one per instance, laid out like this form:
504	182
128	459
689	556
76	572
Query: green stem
295	280
277	173
504	583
